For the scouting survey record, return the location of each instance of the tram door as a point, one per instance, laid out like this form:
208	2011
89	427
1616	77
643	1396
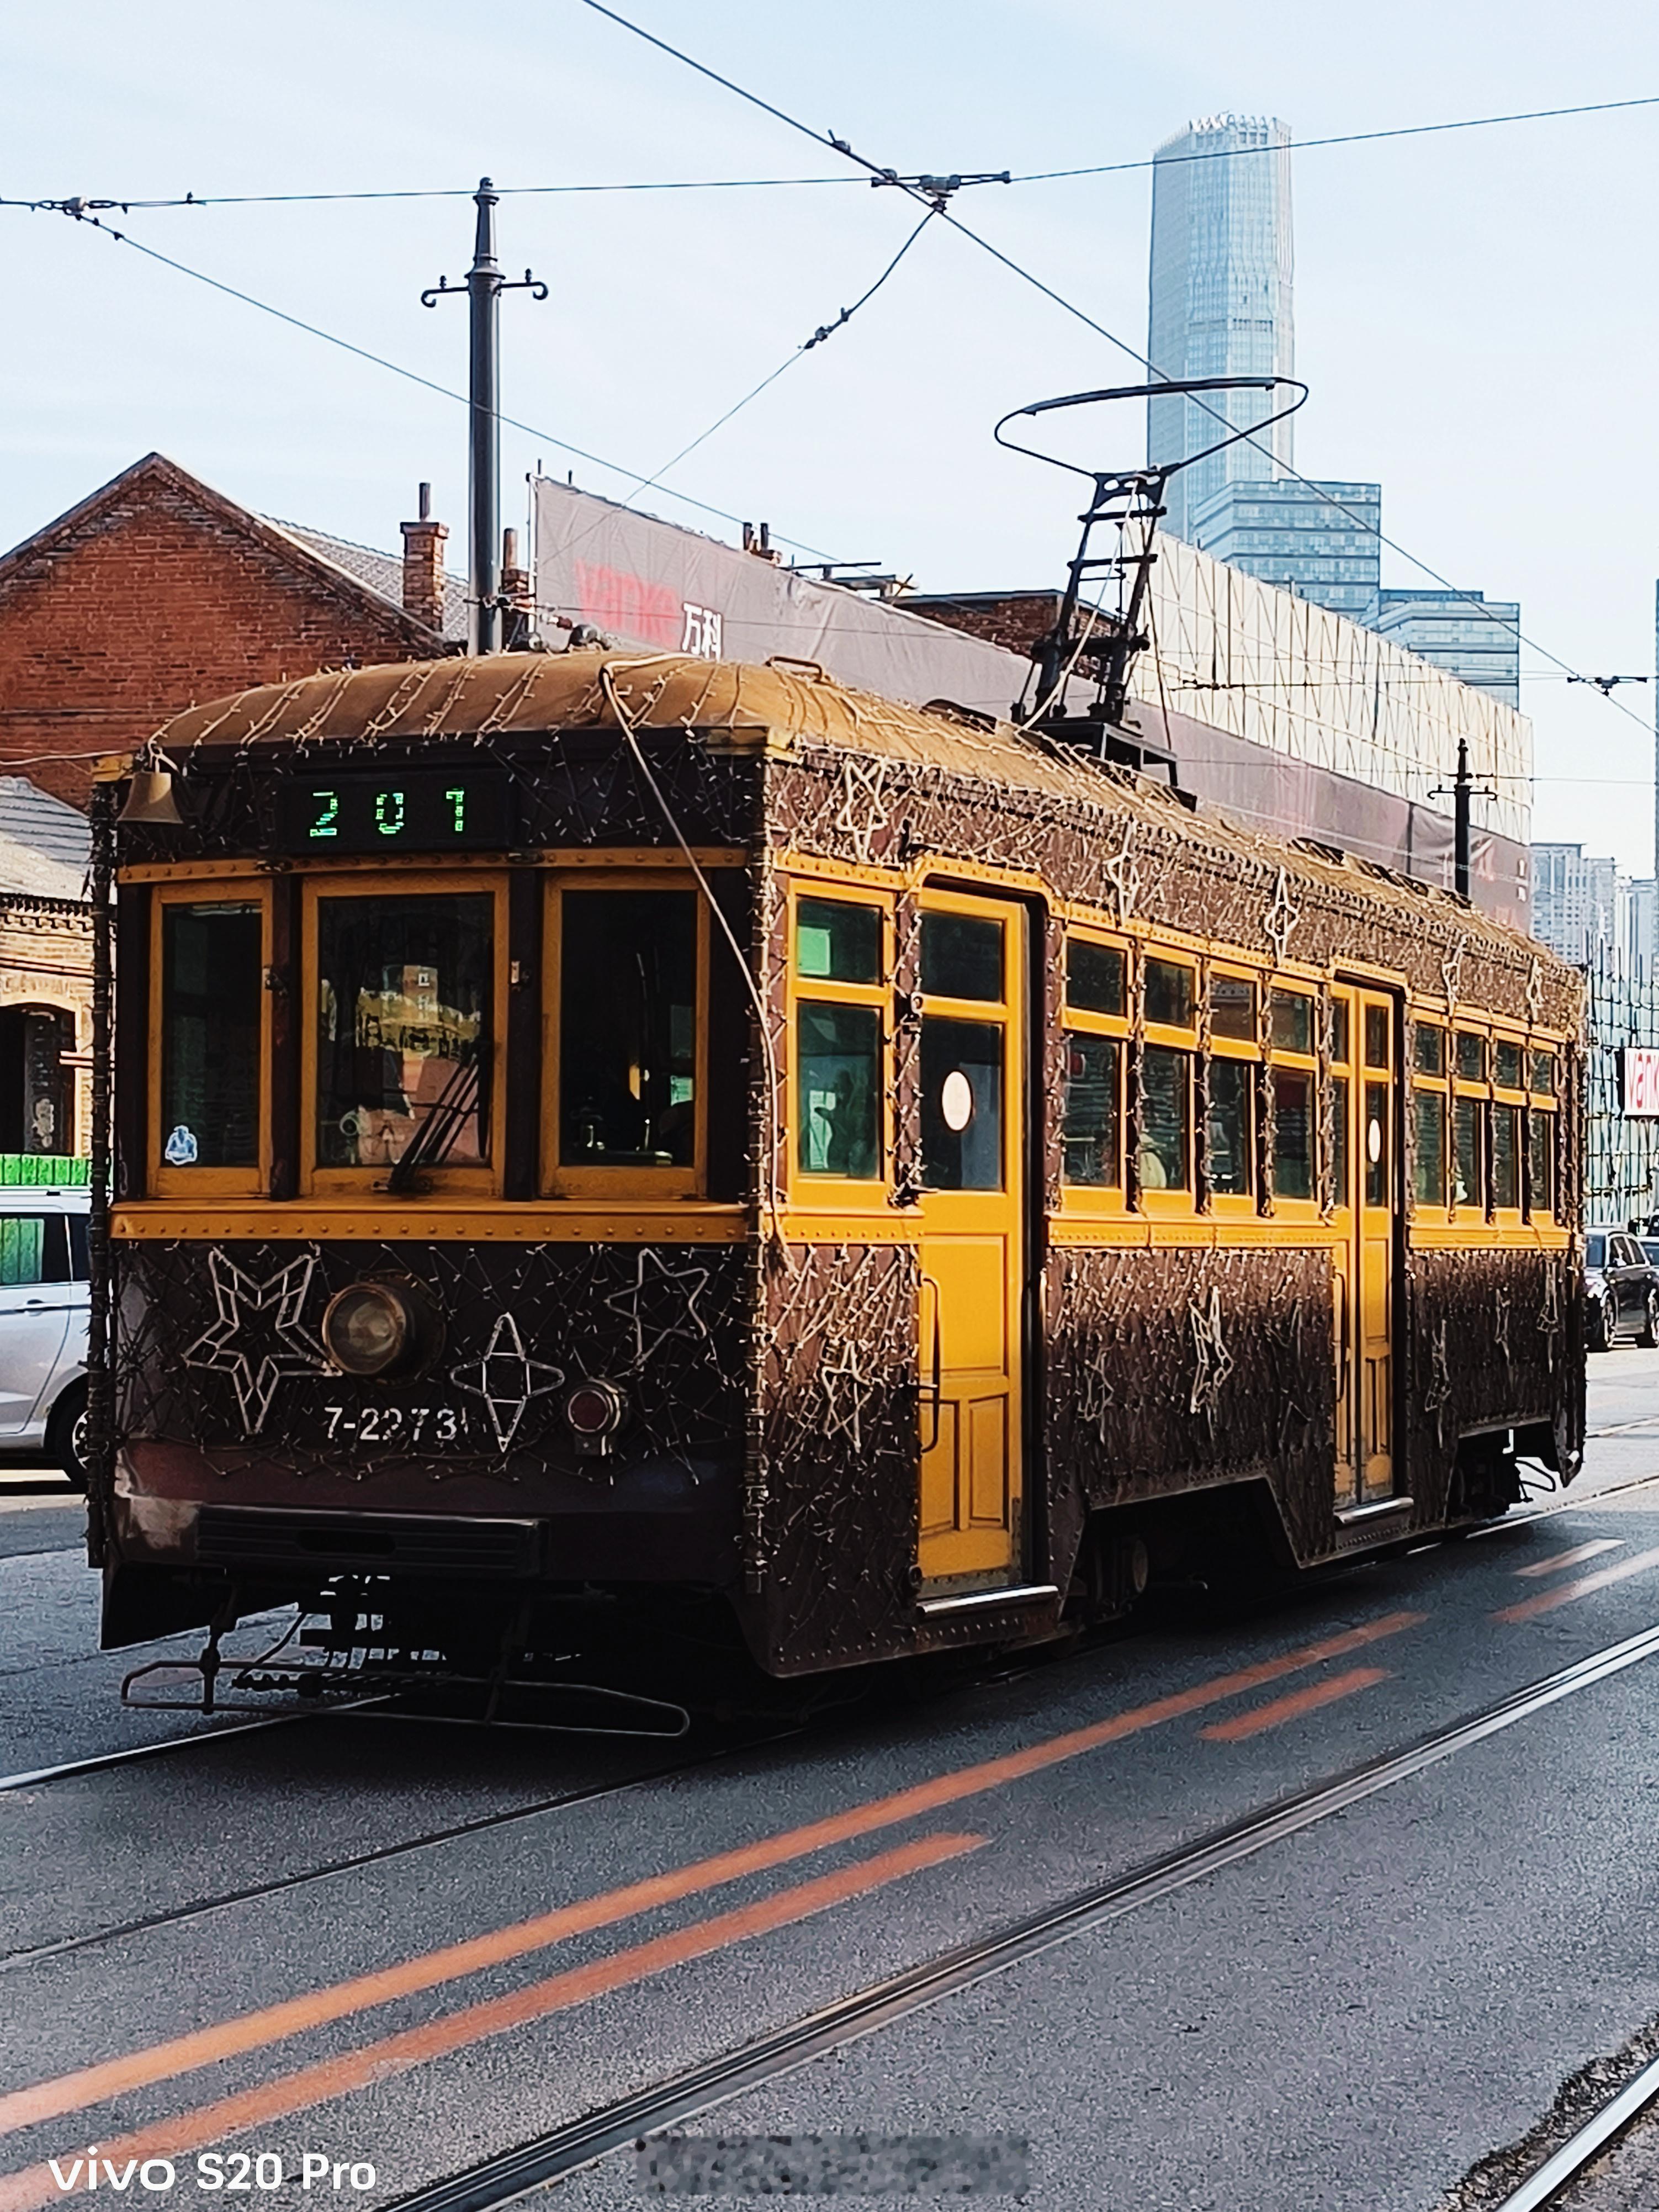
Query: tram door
973	1255
1364	1075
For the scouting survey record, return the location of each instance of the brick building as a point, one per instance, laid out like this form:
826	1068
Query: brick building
158	592
45	973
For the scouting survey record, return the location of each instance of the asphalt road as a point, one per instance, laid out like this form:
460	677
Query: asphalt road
1355	2016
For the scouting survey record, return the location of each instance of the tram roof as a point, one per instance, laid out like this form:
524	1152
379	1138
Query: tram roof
744	708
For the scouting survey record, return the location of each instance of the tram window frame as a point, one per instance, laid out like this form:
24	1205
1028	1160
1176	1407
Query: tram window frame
1086	1023
618	1185
1509	1111
246	1179
1243	1048
316	1179
1475	1093
1542	1128
1181	1039
1431	1085
821	1192
1339	1108
1295	1064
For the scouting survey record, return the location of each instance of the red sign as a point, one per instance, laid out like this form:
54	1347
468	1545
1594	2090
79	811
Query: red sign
1639	1067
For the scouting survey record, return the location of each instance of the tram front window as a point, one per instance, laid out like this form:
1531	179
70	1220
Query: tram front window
628	1029
211	996
402	1029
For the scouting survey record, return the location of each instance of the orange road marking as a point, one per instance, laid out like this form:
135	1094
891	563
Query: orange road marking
92	2084
33	2186
1564	1594
1557	1560
1262	1717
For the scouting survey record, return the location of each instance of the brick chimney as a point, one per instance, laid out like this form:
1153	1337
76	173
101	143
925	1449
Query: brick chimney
423	565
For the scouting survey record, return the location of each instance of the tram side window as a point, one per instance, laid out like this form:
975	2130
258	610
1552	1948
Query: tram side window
1430	1147
403	988
839	1108
628	1029
1293	1133
1541	1166
1468	1185
1091	1129
1166	1081
1506	1155
212	978
1227	1146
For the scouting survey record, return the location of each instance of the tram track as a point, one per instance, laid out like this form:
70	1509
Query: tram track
552	2156
1548	2183
202	1907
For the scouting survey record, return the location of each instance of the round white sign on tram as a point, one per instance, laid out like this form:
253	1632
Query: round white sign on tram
1374	1142
956	1100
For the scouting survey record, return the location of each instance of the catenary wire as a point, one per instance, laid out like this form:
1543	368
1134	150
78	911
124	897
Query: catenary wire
78	204
413	376
764	184
1069	307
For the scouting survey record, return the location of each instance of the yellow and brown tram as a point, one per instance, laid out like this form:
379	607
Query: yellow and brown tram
694	1135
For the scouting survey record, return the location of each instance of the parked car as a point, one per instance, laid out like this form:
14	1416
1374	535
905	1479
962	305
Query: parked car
43	1324
1621	1289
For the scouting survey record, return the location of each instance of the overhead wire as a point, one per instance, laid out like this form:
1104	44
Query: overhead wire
427	383
1069	307
125	206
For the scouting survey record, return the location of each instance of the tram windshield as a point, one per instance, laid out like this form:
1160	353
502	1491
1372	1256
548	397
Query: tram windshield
402	1028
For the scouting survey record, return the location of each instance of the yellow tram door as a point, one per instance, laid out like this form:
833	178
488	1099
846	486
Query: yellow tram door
1364	1075
973	1240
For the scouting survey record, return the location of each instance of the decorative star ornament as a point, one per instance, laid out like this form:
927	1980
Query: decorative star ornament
1535	989
1214	1361
1437	1397
507	1378
686	1283
1282	917
236	1297
1500	1323
1451	973
860	815
1122	876
844	1388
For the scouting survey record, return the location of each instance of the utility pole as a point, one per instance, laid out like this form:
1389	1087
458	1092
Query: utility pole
484	287
1463	790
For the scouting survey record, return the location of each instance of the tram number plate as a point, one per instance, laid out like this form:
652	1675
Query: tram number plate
409	1427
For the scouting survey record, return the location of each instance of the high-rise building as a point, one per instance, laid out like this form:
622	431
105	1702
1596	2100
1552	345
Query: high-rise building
1582	907
1221	271
1320	541
1451	629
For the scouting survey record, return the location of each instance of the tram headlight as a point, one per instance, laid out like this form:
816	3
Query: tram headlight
370	1328
593	1413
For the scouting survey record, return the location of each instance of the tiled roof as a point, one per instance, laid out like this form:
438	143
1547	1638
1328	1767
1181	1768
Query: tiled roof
382	572
43	844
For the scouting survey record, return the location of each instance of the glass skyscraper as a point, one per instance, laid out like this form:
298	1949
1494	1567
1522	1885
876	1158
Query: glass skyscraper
1221	283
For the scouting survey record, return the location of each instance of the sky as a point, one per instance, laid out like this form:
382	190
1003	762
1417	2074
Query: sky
1475	311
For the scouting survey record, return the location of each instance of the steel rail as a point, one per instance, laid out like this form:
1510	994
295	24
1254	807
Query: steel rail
1544	2186
98	1761
561	2151
456	1832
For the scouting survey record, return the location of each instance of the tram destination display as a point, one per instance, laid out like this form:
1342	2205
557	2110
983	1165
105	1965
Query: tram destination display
404	810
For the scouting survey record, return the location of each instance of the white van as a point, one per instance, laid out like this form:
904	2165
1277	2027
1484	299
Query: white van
43	1324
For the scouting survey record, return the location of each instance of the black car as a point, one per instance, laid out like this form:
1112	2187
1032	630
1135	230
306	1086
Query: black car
1621	1288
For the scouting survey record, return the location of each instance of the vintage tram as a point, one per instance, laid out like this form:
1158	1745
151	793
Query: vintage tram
693	1136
